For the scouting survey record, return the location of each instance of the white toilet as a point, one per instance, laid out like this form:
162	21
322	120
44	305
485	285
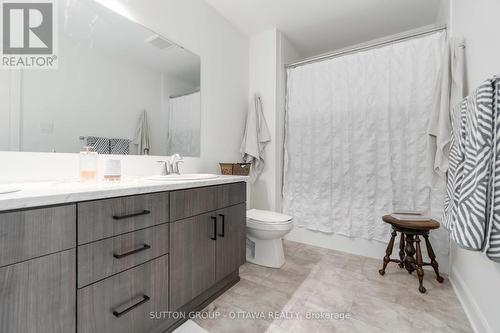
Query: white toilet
265	230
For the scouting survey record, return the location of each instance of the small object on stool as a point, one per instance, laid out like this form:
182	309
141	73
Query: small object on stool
410	235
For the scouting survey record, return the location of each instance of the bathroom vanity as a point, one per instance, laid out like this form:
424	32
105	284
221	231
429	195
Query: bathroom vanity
118	259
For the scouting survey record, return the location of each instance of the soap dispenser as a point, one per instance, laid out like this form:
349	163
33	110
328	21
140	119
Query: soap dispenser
88	164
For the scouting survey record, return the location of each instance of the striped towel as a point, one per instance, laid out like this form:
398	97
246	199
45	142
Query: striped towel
109	146
100	145
493	237
466	211
119	146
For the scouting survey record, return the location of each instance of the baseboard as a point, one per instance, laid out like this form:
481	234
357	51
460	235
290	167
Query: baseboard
358	246
477	320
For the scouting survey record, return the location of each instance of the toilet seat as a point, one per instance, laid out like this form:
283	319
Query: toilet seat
267	217
267	220
269	226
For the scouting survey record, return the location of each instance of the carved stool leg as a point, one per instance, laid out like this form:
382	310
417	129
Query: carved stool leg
402	251
388	252
432	256
410	252
420	269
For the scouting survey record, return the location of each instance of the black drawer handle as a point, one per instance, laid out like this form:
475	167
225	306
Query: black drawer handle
214	219
223	225
121	217
126	254
145	299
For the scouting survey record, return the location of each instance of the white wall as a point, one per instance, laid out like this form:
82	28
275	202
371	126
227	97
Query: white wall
263	64
443	15
224	83
270	51
476	278
10	105
4	108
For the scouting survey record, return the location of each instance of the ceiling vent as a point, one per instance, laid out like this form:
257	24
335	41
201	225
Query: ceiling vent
158	42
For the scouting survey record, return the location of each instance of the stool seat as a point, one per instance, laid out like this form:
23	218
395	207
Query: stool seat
410	253
413	225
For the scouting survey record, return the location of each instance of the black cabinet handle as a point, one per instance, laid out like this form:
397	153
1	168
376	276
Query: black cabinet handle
126	254
223	225
214	219
122	217
118	314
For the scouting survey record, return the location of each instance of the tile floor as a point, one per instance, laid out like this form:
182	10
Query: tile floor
317	281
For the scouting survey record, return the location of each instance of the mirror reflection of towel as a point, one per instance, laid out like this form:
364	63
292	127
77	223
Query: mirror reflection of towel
256	138
99	145
141	138
109	146
119	146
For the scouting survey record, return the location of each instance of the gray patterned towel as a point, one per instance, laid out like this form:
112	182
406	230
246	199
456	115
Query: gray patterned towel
467	202
493	237
119	146
100	145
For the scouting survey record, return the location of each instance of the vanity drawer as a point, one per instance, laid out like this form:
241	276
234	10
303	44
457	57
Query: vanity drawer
232	194
193	201
104	258
36	232
122	303
106	218
196	201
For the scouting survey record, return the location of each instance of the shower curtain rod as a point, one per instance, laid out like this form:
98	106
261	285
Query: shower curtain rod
367	46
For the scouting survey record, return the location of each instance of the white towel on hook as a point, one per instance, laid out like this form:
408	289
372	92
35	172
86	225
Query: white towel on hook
255	139
141	138
450	91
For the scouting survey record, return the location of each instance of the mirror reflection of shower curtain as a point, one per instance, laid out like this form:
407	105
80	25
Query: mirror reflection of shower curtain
184	125
356	138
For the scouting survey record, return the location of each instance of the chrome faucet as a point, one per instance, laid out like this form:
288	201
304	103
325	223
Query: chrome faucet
166	168
174	163
172	166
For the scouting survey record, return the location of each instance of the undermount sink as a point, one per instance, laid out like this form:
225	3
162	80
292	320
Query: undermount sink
186	176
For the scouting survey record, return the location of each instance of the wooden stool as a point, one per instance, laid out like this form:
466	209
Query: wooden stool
410	234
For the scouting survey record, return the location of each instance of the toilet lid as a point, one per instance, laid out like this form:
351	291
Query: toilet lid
266	216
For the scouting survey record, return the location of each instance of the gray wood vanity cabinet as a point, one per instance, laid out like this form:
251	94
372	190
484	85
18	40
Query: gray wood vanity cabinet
208	247
38	270
110	265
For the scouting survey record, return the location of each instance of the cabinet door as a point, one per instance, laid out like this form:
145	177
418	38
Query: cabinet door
39	295
192	258
231	243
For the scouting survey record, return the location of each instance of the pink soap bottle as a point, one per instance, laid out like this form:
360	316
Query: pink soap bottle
88	164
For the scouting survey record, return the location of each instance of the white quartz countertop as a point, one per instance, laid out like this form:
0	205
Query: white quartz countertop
62	192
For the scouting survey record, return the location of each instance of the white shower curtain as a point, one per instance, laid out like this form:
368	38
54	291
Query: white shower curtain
356	137
184	125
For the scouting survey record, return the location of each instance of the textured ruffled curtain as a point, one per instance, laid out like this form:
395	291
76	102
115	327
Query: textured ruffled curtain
184	125
356	138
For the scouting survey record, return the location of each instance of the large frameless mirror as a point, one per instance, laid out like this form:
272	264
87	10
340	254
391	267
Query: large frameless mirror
118	87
